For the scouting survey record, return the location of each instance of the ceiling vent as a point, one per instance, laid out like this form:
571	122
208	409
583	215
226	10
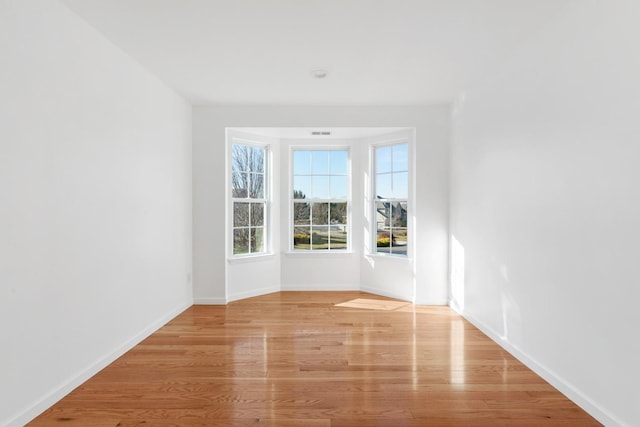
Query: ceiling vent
320	133
319	74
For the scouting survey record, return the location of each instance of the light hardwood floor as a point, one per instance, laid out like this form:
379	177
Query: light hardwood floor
316	359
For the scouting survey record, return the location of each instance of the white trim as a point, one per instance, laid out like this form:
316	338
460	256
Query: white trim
566	388
255	257
398	257
68	386
210	301
321	288
393	137
320	254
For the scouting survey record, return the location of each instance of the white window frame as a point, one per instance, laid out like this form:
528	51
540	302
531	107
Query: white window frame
348	200
267	233
373	196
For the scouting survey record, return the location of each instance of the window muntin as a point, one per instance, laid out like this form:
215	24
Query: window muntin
249	198
391	187
320	199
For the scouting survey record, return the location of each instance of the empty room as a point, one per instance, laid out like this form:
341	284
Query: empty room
302	213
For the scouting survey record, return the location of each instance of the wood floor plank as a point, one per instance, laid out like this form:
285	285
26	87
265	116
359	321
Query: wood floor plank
316	359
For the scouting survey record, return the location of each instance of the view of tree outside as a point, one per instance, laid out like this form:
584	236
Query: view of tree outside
392	193
320	199
248	181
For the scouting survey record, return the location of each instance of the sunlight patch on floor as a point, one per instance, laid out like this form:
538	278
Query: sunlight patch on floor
374	304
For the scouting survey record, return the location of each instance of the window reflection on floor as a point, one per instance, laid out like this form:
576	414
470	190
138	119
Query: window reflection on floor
457	373
374	304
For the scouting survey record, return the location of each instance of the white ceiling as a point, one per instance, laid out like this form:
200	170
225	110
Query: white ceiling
261	52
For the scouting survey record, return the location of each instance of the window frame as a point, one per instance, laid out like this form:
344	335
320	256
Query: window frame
266	199
292	201
373	196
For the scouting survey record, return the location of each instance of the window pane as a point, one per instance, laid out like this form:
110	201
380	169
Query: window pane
320	214
301	214
246	158
383	215
301	237
257	159
339	161
338	187
240	184
399	241
241	214
320	237
338	213
257	240
401	185
383	186
301	162
383	241
338	237
257	214
320	162
320	187
301	187
256	185
383	159
399	214
240	158
400	155
241	241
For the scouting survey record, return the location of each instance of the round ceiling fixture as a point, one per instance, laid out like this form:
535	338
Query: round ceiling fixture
319	74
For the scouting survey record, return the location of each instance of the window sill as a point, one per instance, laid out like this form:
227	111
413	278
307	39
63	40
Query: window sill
319	254
388	256
251	258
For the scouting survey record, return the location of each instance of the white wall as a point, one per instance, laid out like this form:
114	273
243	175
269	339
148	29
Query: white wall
546	204
432	125
95	208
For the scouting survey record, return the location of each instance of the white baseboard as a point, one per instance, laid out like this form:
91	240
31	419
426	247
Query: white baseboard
55	395
210	301
571	392
332	287
307	287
